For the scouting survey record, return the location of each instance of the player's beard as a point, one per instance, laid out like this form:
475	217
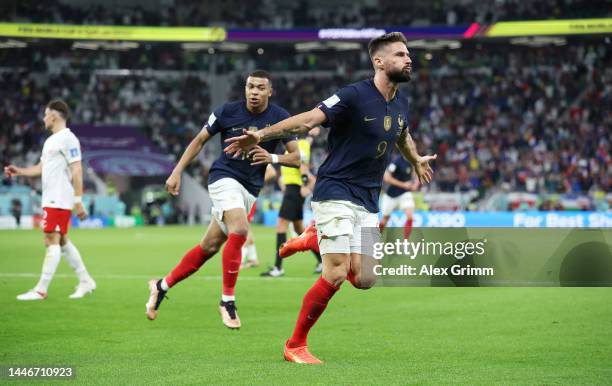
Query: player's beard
399	76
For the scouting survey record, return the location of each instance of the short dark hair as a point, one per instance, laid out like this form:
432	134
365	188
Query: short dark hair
261	74
61	107
379	42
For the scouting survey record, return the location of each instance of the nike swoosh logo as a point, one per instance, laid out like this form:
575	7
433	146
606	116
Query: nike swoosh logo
310	317
233	271
366	119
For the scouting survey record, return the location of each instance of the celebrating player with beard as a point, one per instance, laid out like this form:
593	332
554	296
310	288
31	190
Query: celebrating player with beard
366	119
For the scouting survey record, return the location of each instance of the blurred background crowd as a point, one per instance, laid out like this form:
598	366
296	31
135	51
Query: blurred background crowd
294	14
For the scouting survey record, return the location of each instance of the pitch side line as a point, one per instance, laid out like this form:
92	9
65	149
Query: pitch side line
149	277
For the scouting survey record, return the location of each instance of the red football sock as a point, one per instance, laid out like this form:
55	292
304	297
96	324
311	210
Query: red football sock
313	305
232	255
407	228
190	263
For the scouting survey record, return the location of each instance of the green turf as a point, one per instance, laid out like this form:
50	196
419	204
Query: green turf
382	336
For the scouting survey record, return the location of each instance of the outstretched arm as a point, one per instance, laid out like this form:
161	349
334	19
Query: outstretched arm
407	147
32	171
295	125
173	183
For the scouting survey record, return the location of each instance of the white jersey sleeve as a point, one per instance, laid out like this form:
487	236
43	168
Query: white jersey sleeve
71	148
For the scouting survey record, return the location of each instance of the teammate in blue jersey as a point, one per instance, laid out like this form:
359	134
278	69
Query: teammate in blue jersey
233	184
366	119
398	195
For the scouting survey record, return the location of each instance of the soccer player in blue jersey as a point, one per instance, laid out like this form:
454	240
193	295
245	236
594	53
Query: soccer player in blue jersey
366	120
399	193
233	185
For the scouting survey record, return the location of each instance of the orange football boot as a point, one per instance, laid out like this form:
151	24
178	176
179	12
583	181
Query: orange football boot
304	242
301	355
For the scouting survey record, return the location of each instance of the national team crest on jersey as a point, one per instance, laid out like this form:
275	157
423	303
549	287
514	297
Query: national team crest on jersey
74	152
252	128
388	122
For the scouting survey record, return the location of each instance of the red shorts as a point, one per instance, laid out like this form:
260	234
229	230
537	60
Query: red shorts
252	212
55	220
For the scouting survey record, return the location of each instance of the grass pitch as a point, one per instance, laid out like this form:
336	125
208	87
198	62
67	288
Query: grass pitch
380	336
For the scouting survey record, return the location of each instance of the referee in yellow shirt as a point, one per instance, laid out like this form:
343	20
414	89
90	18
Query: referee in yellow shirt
298	185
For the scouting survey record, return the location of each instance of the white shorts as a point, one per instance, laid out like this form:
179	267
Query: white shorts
402	202
339	227
226	194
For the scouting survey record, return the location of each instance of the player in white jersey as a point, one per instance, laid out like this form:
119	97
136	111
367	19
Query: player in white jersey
62	190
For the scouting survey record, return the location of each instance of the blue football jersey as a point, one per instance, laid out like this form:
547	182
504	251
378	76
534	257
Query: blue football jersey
401	170
364	128
229	120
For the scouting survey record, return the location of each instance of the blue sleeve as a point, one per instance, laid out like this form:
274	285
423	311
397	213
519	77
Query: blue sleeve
213	125
336	108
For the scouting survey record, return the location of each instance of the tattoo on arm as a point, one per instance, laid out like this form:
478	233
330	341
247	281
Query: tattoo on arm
295	125
407	147
289	131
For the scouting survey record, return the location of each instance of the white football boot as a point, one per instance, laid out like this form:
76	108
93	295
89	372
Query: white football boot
32	295
83	289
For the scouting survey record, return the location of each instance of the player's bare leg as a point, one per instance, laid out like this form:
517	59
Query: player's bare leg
190	263
335	269
249	253
52	258
73	257
237	230
361	273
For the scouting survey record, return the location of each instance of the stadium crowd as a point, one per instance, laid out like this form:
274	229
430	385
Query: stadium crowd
64	57
292	14
527	119
535	120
